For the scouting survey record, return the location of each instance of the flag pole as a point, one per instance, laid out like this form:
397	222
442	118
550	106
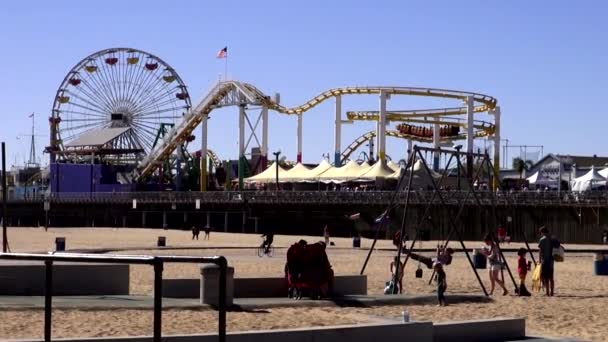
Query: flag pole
226	66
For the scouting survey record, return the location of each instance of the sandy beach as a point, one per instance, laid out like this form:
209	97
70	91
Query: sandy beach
577	310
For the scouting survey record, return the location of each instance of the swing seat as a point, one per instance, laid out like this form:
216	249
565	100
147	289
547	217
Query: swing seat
419	273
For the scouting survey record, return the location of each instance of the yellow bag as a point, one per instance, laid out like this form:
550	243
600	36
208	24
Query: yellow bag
537	283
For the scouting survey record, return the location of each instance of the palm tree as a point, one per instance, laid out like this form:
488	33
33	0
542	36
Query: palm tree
522	166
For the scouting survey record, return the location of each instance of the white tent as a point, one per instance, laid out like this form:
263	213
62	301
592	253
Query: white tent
393	166
375	171
588	181
538	179
297	173
267	176
349	171
603	173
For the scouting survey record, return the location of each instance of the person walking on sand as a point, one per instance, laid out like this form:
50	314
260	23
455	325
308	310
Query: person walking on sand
545	249
326	235
442	283
207	232
491	251
195	231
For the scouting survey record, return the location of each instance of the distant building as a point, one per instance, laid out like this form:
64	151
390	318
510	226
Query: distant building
571	166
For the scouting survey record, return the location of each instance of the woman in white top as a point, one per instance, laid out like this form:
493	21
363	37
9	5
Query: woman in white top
493	254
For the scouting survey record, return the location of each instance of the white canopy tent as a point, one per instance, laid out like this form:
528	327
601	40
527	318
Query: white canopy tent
267	176
350	171
375	171
393	166
538	179
603	172
589	181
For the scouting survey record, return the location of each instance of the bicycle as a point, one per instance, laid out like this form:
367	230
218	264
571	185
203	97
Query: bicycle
262	251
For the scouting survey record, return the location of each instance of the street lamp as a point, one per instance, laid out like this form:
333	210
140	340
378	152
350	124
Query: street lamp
276	161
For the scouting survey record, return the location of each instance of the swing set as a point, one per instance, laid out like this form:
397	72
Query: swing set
482	162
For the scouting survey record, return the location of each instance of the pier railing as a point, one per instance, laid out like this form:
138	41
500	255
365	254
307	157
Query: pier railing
453	197
156	261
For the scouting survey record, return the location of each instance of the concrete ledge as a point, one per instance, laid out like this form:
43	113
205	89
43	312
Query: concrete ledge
415	332
69	279
491	330
348	285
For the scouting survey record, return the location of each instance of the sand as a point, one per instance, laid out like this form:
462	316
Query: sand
577	310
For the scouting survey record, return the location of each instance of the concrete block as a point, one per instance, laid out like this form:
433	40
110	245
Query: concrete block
210	282
348	285
490	330
26	278
181	288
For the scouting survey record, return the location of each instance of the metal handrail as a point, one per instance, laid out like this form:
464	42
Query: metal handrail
156	261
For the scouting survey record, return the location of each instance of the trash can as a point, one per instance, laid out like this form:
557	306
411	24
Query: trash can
601	264
479	260
356	242
59	244
162	241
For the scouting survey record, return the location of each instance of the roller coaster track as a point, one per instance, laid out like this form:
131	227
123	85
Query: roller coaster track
234	93
348	151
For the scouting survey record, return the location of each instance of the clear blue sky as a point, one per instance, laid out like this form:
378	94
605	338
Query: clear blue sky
545	61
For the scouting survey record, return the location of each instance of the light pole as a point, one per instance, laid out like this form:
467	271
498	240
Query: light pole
276	162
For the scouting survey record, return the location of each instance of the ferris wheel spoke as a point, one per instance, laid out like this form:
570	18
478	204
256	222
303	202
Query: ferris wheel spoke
86	101
155	97
104	87
111	86
96	88
142	84
73	112
76	104
158	104
86	89
154	112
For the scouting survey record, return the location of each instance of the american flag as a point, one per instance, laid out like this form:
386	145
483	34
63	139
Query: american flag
223	53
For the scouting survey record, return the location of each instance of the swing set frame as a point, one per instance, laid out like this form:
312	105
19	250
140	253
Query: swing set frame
486	163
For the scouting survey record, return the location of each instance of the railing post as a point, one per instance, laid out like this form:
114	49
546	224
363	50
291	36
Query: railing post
222	304
48	299
158	298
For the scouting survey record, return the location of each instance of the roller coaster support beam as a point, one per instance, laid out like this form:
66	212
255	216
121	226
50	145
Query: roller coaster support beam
241	145
496	113
410	148
381	134
470	101
338	132
203	162
436	140
299	156
264	137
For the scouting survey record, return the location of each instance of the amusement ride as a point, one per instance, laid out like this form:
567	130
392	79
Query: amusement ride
129	109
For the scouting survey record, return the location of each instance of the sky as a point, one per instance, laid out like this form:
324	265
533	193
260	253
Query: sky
545	61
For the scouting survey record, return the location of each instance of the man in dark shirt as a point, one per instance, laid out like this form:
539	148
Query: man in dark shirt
545	247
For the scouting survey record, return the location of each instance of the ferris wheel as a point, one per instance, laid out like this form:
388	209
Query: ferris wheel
123	89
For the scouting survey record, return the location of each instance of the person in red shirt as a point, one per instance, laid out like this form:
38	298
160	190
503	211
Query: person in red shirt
502	234
522	269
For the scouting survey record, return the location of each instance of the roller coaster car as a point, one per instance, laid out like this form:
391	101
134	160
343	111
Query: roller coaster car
308	271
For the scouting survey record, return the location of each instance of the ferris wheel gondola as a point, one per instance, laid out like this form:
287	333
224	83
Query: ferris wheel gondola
117	88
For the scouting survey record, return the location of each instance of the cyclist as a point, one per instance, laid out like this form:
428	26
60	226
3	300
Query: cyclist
269	238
